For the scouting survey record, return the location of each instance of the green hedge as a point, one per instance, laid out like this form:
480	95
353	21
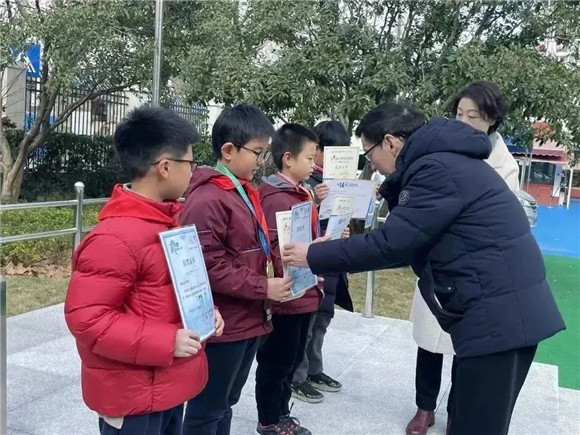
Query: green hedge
67	158
56	250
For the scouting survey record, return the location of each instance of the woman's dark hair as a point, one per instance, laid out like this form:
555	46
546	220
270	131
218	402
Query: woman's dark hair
488	99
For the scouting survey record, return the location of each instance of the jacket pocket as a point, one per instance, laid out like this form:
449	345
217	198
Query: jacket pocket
450	299
252	258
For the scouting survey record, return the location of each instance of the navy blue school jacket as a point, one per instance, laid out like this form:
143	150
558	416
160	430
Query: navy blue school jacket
466	236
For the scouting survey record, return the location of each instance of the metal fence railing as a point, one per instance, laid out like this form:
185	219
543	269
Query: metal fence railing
78	229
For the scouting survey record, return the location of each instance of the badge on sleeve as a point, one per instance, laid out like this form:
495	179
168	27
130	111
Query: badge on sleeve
404	198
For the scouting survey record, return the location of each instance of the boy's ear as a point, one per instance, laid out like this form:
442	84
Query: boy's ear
227	150
287	159
162	169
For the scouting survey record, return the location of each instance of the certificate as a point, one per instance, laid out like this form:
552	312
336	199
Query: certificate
363	192
190	281
343	204
296	230
337	223
340	162
301	232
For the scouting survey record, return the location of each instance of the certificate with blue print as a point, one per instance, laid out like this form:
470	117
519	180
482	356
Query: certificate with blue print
190	280
301	232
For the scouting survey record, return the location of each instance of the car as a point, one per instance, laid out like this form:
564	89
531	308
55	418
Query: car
530	206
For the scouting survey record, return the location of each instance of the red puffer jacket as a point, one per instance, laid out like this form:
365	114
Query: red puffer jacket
276	195
236	265
122	310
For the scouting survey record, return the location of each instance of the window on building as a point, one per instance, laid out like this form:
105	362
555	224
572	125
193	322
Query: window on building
542	173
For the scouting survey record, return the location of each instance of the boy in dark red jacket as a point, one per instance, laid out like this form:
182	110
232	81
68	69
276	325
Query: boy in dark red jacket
293	151
309	377
226	210
138	363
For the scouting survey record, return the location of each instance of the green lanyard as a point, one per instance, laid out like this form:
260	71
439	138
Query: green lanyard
261	232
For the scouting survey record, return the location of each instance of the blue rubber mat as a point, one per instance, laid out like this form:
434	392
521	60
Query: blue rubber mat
558	230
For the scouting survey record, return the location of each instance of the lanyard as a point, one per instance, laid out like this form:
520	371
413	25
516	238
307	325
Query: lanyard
264	243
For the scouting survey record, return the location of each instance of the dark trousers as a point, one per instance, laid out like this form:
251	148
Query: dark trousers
486	389
428	379
278	356
210	413
156	423
311	363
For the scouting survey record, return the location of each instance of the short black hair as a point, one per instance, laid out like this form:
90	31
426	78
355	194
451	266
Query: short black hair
398	119
331	133
487	97
238	125
146	133
290	138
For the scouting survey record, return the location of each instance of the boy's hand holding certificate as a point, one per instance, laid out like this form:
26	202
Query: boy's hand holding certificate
295	226
190	281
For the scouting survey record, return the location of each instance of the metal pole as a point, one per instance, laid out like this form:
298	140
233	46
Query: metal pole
569	193
80	188
157	54
369	309
3	356
530	169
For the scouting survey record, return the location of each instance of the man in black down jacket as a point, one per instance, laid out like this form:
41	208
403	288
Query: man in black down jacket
456	223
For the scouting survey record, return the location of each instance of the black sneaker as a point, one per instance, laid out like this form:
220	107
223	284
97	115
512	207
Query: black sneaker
305	392
325	383
279	428
293	424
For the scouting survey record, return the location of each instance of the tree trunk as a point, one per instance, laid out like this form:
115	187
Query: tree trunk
11	184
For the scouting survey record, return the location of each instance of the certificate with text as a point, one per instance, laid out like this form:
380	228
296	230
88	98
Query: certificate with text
190	280
341	162
363	192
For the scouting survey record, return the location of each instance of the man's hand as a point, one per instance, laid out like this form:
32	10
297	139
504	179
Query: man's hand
346	233
219	323
279	288
186	343
320	192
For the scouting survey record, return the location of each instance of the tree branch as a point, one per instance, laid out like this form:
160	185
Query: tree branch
9	10
485	22
63	116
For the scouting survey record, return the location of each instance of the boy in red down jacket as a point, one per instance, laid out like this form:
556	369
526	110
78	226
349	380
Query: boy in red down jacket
280	353
138	363
225	208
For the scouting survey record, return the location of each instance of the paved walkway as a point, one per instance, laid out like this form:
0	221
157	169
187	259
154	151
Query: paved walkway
373	358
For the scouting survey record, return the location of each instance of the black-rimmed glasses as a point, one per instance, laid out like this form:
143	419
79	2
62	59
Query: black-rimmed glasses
192	163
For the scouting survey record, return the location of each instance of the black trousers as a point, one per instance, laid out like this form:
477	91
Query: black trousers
486	389
279	355
210	413
428	379
156	423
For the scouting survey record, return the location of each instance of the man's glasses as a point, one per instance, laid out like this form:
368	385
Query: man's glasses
367	153
192	163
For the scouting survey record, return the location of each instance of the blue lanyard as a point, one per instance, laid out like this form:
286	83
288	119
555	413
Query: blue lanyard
265	245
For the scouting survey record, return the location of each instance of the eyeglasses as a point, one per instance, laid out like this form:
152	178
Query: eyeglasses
367	153
261	156
192	163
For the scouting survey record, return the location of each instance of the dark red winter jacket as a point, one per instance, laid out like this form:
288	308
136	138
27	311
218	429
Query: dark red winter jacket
236	265
277	195
121	309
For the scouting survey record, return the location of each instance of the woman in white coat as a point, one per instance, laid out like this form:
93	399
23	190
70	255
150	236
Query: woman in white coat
480	105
